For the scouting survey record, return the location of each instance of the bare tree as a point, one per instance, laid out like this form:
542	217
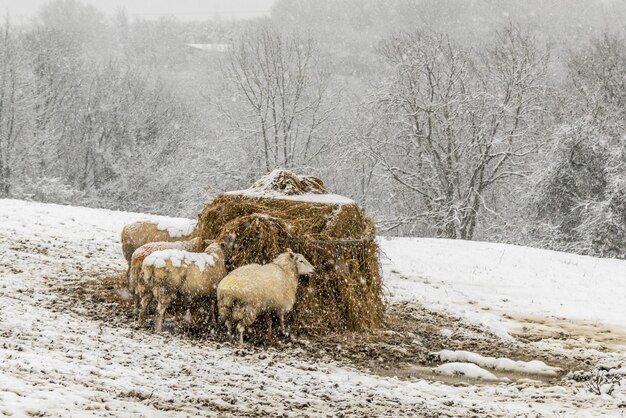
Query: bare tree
456	125
283	95
597	82
14	103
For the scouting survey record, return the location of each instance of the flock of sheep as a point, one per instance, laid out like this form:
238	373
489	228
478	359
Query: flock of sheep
164	267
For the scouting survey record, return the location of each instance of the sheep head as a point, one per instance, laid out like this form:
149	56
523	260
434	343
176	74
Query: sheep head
303	267
195	244
219	248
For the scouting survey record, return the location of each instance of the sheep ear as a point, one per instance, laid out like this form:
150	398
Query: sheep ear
291	253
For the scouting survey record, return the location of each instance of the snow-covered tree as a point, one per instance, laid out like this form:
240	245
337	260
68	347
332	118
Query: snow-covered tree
581	194
458	124
15	104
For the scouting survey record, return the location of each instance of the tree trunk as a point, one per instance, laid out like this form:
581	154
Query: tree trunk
5	180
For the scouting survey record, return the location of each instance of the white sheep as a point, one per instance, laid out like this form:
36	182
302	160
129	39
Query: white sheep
249	290
138	233
135	284
170	274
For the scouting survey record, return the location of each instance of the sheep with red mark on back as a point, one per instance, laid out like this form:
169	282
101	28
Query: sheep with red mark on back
171	273
135	282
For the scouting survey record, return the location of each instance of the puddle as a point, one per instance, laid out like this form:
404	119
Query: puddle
572	333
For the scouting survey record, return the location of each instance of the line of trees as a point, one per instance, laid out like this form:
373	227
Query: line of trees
513	138
83	120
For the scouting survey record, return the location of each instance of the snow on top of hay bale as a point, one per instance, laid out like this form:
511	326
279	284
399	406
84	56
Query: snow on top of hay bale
285	185
327	199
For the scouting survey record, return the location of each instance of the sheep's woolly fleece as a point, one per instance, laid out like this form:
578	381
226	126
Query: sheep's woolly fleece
56	361
177	258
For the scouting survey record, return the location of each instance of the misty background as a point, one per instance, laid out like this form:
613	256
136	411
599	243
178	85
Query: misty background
25	10
470	119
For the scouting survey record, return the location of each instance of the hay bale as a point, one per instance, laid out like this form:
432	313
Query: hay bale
349	222
345	292
256	238
315	219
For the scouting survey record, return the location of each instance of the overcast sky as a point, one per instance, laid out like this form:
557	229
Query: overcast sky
150	9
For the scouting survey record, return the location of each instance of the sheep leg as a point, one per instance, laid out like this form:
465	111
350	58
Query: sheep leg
240	328
137	307
269	325
146	298
216	314
281	316
212	313
163	302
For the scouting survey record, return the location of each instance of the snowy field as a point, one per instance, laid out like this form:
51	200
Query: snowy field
57	361
483	281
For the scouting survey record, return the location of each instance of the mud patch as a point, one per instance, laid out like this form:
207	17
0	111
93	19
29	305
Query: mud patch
400	349
570	333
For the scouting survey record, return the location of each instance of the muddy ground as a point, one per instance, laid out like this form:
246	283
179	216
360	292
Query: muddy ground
400	348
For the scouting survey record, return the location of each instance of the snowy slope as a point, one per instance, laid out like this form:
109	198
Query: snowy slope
466	277
56	362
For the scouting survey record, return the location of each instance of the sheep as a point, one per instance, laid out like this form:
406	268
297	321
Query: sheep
141	232
135	284
249	290
169	274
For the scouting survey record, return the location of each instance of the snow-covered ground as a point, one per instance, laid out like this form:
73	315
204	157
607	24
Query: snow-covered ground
55	361
483	281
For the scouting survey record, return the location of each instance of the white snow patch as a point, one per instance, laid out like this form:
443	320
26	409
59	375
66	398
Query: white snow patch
446	332
265	187
468	370
500	364
177	258
176	227
620	371
329	198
